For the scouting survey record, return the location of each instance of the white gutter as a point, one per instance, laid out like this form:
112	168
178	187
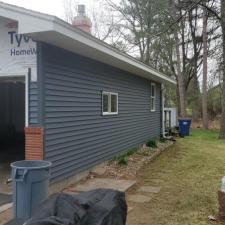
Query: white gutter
163	114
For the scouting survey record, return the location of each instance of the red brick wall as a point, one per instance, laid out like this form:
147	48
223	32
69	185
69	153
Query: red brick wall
34	143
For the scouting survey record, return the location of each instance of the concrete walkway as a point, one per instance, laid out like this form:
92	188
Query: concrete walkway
96	183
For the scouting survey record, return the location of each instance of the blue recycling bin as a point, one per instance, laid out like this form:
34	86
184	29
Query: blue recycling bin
30	179
184	126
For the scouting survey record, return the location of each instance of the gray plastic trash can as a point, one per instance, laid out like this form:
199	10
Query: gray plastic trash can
30	186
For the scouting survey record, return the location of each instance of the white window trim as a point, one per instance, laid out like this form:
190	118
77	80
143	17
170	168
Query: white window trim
151	97
109	103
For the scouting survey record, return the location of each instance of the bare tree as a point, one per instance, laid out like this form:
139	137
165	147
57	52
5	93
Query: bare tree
104	25
205	71
194	58
180	75
70	10
222	123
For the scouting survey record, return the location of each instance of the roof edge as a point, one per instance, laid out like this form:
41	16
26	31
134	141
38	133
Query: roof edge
53	23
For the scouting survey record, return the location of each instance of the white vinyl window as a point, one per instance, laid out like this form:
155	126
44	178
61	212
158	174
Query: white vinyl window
153	97
109	103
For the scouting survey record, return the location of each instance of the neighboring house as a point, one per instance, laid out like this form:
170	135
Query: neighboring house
84	101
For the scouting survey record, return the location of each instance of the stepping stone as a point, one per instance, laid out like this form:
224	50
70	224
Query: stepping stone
139	198
150	189
96	183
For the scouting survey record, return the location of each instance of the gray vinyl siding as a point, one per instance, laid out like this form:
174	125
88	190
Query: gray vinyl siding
77	135
35	91
33	103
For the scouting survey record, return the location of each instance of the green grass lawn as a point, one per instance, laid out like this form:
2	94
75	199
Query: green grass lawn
190	175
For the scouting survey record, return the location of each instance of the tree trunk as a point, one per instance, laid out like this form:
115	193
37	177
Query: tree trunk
195	93
180	80
180	77
205	72
222	122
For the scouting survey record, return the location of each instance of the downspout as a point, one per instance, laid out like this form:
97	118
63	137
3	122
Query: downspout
162	107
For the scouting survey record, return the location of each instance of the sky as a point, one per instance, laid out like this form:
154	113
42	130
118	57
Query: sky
52	7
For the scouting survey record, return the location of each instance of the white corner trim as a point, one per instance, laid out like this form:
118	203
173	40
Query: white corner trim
26	100
163	115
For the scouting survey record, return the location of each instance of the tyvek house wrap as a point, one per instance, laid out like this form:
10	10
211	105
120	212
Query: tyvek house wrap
18	52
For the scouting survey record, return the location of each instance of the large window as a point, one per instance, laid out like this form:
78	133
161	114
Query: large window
153	97
109	103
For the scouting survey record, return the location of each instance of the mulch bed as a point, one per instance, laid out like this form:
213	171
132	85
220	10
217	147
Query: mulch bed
143	156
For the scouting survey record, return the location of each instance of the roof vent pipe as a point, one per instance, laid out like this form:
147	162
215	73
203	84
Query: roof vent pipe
81	10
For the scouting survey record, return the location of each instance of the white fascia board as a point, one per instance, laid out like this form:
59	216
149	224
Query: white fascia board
28	21
94	43
51	29
32	25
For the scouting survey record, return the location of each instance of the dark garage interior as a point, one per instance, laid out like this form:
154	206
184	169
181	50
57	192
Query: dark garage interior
12	123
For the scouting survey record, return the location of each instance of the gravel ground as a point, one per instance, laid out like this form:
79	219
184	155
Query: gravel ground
135	162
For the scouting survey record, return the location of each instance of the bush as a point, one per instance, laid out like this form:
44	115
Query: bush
123	161
131	152
151	143
162	140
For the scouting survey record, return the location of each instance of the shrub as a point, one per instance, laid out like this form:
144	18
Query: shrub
162	140
123	161
131	152
151	143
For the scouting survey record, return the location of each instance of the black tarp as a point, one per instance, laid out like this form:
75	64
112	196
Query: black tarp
97	207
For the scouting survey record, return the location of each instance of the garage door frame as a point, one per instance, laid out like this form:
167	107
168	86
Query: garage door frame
26	80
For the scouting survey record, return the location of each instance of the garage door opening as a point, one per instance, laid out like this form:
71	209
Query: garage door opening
12	123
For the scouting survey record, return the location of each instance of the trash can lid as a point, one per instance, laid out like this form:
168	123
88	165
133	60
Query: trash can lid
184	119
31	164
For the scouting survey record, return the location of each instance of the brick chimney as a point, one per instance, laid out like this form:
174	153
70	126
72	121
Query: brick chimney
81	21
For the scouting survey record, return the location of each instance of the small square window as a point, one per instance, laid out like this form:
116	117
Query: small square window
109	103
153	97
